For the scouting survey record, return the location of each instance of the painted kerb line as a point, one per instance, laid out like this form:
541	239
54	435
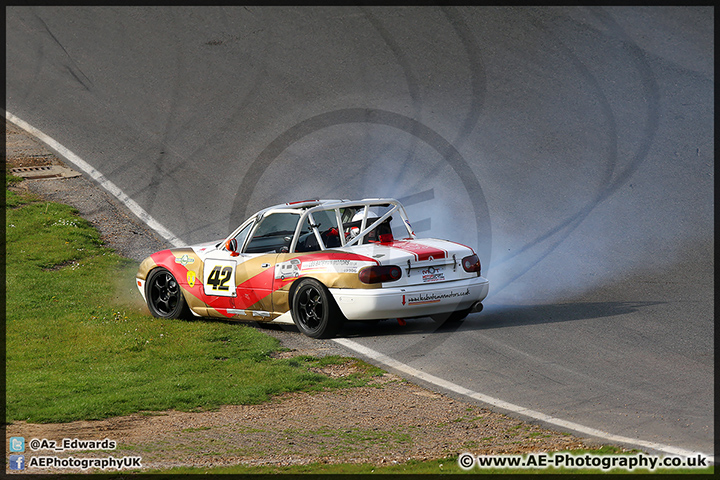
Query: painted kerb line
453	387
98	177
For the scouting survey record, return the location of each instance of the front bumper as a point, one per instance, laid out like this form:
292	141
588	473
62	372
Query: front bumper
411	301
141	286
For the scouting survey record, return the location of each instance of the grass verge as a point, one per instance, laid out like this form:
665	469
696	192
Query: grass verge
80	345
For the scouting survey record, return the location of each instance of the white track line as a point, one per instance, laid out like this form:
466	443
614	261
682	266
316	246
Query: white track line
361	349
453	387
98	177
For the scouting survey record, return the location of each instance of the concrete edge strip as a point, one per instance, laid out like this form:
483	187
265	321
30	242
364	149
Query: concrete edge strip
453	387
361	349
98	177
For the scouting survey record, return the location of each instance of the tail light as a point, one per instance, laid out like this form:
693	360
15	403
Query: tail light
380	273
471	264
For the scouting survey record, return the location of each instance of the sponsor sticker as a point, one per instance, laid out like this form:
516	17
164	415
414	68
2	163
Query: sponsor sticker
191	278
185	260
287	270
432	274
333	266
421	250
424	298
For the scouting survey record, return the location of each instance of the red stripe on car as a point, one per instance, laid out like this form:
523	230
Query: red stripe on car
421	251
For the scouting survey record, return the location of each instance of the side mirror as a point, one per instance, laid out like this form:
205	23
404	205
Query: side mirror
231	246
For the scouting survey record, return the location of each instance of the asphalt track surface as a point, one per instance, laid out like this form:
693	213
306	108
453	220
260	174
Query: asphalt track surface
571	147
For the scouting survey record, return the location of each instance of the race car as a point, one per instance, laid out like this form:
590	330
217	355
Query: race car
316	264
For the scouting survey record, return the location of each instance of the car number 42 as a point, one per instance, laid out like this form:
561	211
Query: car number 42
219	278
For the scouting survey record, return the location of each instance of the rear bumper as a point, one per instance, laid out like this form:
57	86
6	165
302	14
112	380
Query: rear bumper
412	301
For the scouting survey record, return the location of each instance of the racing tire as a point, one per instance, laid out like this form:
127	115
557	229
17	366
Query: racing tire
164	295
454	317
314	310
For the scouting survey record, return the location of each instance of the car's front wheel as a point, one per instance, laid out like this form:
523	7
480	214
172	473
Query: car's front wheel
314	310
164	297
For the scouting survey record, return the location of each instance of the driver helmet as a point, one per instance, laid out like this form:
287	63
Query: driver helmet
373	214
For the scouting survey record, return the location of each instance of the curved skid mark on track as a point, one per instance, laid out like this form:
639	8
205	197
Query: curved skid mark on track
410	80
84	81
609	185
478	82
36	25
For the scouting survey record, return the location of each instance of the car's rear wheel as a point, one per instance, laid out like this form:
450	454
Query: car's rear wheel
314	310
164	297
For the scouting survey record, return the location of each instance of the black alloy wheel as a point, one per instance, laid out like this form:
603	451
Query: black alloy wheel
164	297
314	310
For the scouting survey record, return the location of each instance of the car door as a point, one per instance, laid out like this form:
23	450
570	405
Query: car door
255	271
254	279
233	283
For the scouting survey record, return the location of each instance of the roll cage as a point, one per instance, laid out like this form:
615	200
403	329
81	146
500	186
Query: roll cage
307	213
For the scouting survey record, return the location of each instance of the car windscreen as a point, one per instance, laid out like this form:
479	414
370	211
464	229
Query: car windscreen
273	234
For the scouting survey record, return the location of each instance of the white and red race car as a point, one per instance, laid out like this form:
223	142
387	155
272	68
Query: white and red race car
316	264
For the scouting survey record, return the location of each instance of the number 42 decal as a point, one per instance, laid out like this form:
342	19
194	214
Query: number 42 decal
220	278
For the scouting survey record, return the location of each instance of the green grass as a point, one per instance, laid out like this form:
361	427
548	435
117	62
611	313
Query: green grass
11	179
81	345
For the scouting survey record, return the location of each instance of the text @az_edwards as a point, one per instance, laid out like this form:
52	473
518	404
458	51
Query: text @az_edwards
71	444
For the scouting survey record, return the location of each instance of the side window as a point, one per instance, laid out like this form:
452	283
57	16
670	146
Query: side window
328	228
393	226
273	233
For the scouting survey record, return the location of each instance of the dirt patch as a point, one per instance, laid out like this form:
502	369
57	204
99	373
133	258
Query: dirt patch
390	420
